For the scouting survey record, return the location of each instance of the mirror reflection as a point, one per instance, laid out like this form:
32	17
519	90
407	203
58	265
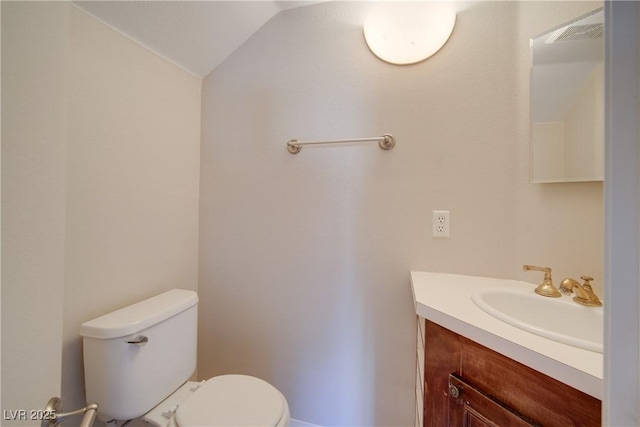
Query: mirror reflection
567	102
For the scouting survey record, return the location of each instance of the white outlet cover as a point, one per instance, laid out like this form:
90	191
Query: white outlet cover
441	223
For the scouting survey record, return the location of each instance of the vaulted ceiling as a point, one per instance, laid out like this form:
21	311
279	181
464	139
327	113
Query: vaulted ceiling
195	35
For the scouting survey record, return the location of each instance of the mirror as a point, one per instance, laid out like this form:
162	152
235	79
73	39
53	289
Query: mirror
567	102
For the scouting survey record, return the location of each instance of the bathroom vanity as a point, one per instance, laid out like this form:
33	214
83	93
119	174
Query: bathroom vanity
474	369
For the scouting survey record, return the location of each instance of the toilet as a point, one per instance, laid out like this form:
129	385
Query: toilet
137	365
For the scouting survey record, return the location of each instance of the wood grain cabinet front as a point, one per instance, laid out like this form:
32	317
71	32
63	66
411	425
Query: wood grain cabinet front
471	407
467	384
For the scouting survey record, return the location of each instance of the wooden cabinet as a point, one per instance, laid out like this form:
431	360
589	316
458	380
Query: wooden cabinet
466	384
471	407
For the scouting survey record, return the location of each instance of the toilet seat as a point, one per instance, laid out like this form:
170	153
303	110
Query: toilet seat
232	400
226	400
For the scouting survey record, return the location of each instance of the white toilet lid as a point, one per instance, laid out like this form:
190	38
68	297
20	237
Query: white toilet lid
232	400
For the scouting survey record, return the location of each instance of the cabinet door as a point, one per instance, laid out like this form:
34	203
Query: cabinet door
536	397
470	407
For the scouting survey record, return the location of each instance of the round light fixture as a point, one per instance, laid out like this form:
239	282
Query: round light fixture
408	32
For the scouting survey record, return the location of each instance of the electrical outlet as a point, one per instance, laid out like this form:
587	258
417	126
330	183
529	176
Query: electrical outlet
441	224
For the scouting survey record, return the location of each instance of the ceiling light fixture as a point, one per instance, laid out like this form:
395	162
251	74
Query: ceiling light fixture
408	32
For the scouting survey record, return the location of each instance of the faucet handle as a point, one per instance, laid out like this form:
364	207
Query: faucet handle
587	281
592	300
546	288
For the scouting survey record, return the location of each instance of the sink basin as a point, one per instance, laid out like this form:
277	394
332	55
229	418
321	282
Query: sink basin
558	319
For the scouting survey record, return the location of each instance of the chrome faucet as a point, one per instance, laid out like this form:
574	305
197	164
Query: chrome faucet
583	293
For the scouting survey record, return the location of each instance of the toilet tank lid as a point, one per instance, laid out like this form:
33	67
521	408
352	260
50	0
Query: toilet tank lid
139	316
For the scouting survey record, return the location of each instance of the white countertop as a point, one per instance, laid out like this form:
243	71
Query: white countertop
445	299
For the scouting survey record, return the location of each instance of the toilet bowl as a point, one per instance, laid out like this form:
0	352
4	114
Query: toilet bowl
226	400
137	362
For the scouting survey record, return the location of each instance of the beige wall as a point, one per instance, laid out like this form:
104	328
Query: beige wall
34	150
134	147
125	209
304	260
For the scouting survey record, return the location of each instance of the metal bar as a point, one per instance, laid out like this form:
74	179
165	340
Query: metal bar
339	141
89	415
386	142
52	417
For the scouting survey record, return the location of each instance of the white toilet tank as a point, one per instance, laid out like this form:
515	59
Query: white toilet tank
127	379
